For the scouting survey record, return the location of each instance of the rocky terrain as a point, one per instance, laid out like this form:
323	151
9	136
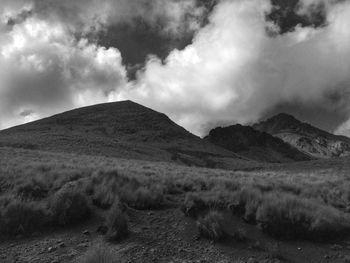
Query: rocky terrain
308	139
255	145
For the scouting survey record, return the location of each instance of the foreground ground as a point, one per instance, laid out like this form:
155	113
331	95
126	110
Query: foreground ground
311	196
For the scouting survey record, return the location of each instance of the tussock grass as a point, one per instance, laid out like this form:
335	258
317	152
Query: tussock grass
291	217
117	223
211	226
34	189
68	206
145	198
287	201
23	218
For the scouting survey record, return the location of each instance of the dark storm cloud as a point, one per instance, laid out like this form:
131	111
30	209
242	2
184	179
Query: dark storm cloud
285	14
140	36
51	58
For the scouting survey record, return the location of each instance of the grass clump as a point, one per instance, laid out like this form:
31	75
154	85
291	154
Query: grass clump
143	198
193	205
104	198
291	217
34	189
22	218
68	206
99	255
249	200
117	223
211	226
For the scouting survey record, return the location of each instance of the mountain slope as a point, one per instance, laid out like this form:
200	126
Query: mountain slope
305	137
121	129
254	144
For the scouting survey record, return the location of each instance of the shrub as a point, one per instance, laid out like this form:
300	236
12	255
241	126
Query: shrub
117	223
99	255
211	226
68	207
22	218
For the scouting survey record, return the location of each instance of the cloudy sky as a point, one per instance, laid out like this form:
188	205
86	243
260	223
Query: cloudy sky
202	62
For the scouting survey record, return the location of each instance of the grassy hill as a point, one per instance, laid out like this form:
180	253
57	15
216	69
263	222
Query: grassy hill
121	129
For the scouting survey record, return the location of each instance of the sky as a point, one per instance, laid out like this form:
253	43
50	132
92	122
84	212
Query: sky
204	63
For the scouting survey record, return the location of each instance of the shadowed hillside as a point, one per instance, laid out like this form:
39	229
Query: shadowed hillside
308	139
254	144
121	129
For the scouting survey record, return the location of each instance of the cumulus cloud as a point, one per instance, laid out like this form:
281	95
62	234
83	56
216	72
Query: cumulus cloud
48	62
43	70
170	17
234	72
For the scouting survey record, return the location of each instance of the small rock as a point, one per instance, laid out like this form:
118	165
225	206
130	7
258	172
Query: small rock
86	232
83	245
150	213
196	237
299	248
61	244
51	249
327	257
72	254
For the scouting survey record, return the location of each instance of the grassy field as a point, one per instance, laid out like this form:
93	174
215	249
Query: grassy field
307	200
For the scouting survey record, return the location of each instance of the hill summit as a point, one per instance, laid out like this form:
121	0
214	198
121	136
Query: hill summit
120	129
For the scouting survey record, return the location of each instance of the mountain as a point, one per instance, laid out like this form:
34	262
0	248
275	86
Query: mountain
305	137
254	144
120	129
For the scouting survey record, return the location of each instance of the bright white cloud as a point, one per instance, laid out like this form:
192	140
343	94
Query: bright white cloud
44	69
234	72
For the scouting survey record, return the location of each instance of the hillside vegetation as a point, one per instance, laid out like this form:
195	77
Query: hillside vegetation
292	202
121	129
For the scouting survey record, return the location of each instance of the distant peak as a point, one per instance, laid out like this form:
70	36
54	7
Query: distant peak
284	116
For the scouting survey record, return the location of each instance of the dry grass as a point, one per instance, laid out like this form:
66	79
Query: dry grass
117	223
289	216
211	226
299	200
22	218
68	206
